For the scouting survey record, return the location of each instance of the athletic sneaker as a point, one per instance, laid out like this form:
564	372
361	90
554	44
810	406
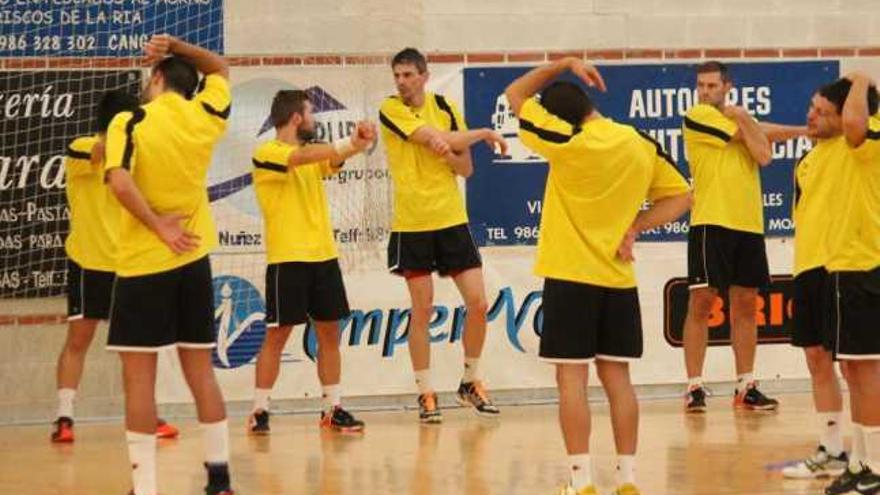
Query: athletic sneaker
166	430
428	410
218	479
695	400
868	484
258	423
818	465
627	489
341	420
587	490
63	432
752	399
847	482
473	394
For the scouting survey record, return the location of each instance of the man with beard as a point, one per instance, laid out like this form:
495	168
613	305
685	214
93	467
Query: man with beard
303	279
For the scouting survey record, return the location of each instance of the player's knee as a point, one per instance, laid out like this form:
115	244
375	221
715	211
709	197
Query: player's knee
571	375
78	344
700	305
477	306
421	312
275	339
819	362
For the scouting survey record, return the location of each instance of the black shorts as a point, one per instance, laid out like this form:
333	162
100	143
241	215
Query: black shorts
583	322
446	251
171	308
811	303
297	291
719	257
855	315
88	292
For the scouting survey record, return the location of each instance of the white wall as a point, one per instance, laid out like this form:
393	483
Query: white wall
297	26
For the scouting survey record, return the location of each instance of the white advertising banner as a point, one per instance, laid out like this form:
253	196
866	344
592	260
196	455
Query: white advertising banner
373	340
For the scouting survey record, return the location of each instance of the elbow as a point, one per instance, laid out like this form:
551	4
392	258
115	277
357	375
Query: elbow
117	186
514	100
685	203
855	132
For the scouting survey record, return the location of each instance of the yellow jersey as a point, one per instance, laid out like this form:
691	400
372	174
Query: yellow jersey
601	173
426	195
167	145
296	214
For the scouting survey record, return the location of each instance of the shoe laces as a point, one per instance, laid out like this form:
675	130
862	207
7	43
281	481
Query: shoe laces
753	389
478	390
341	415
707	392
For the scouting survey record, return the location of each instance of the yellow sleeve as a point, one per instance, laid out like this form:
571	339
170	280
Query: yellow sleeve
706	125
120	146
456	120
869	151
215	96
395	116
541	131
666	180
78	157
270	162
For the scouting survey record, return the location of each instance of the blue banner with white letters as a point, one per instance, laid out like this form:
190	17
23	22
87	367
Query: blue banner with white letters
104	28
504	194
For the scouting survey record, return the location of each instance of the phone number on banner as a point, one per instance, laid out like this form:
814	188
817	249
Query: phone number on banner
47	44
528	234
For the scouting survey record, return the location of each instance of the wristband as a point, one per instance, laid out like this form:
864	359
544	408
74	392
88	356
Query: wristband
344	146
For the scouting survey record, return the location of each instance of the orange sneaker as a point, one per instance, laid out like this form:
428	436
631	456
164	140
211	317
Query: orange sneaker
63	432
166	430
341	420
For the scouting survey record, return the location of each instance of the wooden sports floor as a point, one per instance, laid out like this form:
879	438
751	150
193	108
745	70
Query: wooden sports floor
720	453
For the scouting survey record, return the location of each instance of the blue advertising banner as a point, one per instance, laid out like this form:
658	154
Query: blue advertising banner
104	28
504	194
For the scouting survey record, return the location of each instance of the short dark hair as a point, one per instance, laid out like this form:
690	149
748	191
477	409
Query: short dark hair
180	75
111	103
286	103
838	91
715	66
411	56
568	101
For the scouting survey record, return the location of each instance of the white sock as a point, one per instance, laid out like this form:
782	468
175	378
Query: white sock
744	380
261	399
626	469
65	402
832	434
858	455
216	439
581	471
142	455
871	437
330	397
423	381
471	370
695	382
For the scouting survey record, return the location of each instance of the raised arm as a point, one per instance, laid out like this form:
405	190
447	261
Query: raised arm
779	132
527	85
206	61
750	134
338	152
855	110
